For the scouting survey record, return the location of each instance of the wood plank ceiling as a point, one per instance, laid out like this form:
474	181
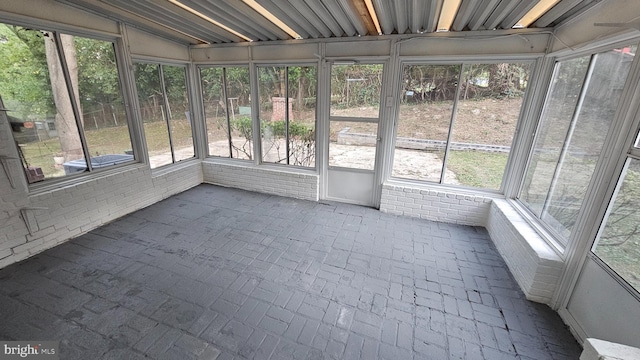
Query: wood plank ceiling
225	21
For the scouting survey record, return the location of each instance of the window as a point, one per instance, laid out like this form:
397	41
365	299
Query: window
288	114
579	109
456	122
355	106
618	243
226	96
64	108
164	105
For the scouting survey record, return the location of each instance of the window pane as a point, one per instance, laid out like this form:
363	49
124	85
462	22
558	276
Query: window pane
619	242
486	116
33	87
238	105
303	84
571	135
233	111
586	139
153	116
423	123
352	144
288	117
552	130
355	90
212	81
178	112
102	108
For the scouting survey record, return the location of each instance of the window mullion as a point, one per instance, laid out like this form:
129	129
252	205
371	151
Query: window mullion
286	111
453	120
74	102
226	111
167	111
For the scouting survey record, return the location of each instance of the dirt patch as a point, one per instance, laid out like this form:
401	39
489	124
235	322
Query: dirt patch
488	121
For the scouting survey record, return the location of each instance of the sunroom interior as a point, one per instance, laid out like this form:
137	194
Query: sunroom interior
519	117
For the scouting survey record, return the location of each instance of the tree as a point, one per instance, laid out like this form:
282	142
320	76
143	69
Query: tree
68	132
32	80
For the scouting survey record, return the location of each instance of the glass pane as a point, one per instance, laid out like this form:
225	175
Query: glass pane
428	95
303	84
355	90
212	80
352	144
586	138
288	117
619	242
486	116
178	111
32	86
153	115
238	105
102	107
552	130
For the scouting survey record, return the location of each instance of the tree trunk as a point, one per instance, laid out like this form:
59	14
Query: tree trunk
66	126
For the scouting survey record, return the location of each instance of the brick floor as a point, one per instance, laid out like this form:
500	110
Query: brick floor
216	272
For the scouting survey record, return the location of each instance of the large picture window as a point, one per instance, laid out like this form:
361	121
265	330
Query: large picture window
65	102
288	114
578	112
226	95
456	122
164	105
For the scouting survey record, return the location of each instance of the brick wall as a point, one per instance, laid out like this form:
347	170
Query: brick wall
284	182
280	108
66	211
532	262
457	207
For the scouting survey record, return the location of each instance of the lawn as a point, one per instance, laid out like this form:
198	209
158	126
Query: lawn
478	168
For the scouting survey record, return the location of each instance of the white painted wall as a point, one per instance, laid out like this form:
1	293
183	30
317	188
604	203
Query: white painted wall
604	309
436	203
535	266
277	180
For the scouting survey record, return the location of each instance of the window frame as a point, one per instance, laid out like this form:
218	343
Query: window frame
524	108
287	66
160	63
547	232
122	60
224	92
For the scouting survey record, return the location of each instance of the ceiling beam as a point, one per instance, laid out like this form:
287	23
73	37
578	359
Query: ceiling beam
361	9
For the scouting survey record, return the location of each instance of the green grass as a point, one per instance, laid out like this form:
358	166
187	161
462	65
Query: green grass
478	169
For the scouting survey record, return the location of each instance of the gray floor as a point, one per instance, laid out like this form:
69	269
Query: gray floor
234	274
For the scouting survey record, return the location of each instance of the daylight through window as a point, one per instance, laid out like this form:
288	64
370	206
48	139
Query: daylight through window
65	102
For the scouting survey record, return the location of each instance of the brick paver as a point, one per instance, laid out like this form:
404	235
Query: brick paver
224	273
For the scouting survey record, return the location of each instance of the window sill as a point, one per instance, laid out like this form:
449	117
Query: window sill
73	180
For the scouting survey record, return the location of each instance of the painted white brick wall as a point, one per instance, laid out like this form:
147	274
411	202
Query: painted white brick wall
457	207
78	206
533	263
283	182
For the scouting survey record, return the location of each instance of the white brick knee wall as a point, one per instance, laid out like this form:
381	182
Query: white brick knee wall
533	263
68	211
436	205
284	182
